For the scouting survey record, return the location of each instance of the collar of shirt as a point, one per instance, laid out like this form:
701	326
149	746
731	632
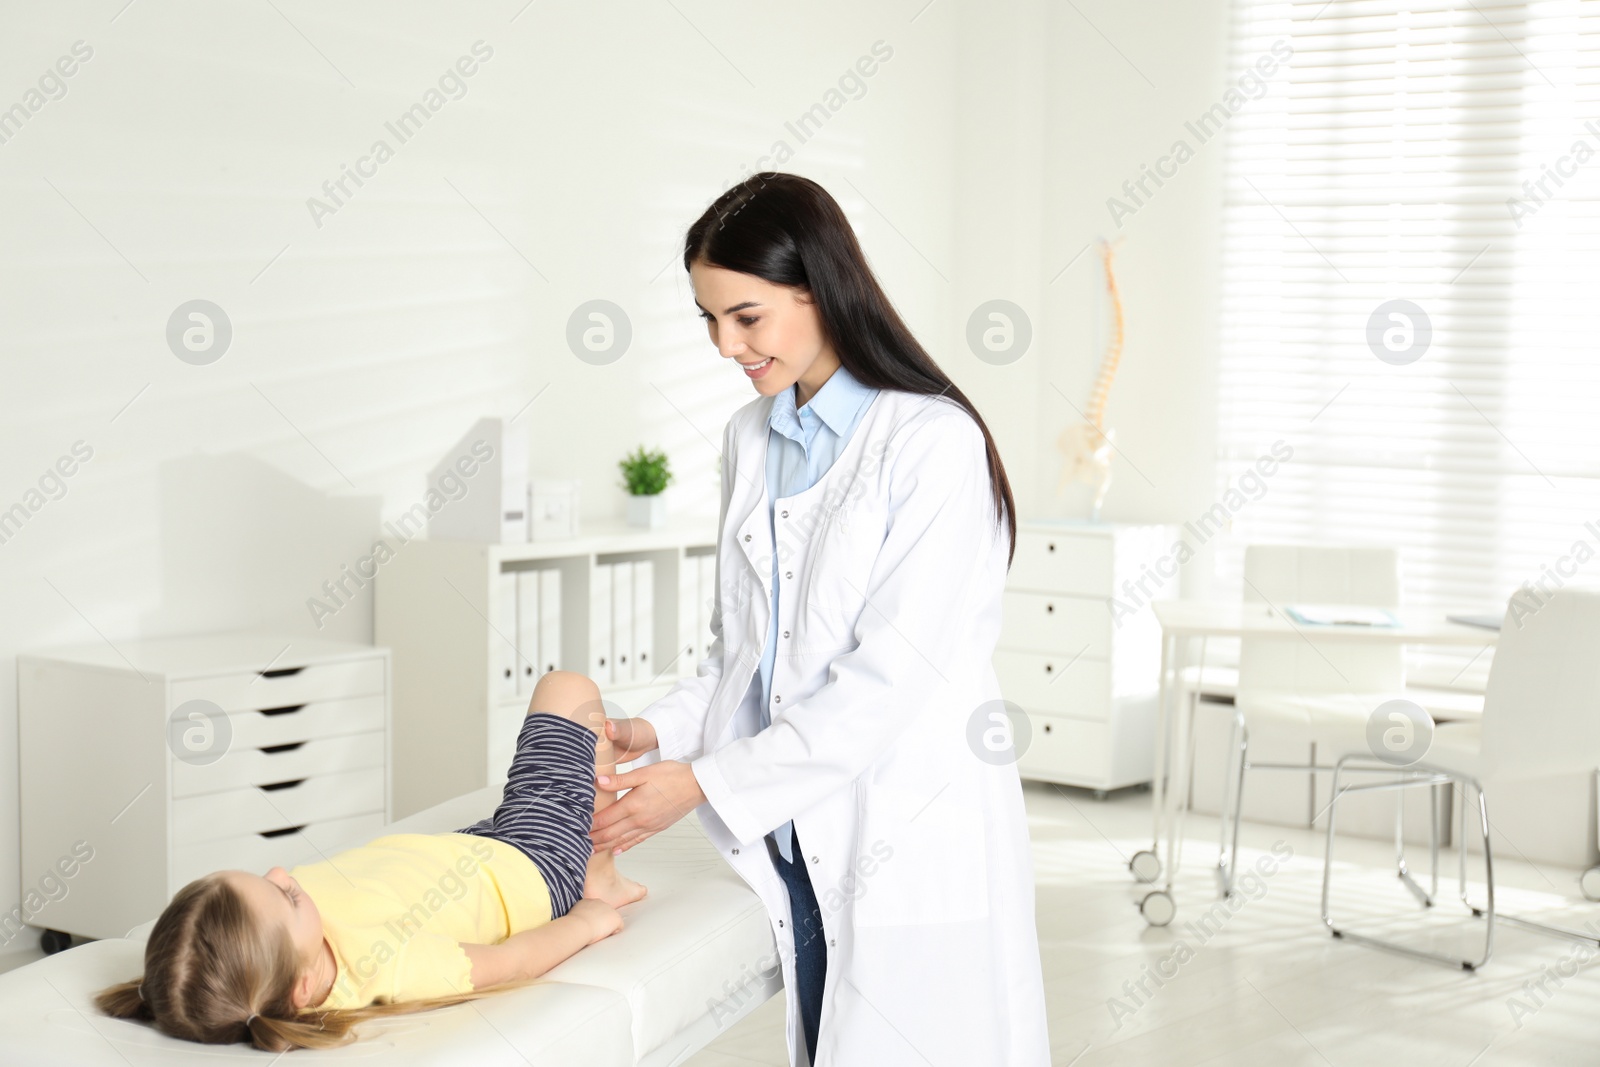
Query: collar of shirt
837	404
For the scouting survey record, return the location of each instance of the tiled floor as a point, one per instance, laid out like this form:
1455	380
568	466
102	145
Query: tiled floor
1265	983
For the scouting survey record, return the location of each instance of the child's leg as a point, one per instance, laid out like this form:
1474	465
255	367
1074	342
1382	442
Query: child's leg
575	696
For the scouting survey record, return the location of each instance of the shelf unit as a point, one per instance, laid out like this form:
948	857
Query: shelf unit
440	607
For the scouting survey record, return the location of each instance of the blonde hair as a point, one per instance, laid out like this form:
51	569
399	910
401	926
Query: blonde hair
213	975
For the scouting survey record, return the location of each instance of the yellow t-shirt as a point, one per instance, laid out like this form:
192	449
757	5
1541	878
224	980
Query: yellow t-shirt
396	909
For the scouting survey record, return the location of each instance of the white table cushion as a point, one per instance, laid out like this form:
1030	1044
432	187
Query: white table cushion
693	957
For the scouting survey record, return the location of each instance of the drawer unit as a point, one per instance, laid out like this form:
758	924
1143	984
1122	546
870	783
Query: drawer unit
1081	656
1060	685
270	727
277	805
1060	746
279	763
1043	622
1081	751
279	686
287	847
241	750
1052	561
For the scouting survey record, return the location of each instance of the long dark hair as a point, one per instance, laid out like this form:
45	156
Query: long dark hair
787	230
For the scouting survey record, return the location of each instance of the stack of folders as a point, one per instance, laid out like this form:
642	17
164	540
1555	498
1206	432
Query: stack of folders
622	623
528	625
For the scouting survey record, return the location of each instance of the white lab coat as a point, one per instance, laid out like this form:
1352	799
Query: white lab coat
890	572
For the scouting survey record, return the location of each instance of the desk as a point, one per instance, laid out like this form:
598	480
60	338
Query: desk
1184	621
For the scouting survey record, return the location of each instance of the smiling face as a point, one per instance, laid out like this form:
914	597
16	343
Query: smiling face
772	331
276	899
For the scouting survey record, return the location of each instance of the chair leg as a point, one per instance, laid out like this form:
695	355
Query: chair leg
1232	804
1488	914
1399	784
1434	833
1327	858
1401	869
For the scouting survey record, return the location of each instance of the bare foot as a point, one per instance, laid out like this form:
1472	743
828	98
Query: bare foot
611	887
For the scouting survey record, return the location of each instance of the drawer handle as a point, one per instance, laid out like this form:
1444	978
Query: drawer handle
1048	667
1052	546
1049	608
281	672
1046	727
284	832
272	787
273	750
285	710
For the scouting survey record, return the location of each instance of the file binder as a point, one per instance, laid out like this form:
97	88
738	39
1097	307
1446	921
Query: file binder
644	621
504	639
600	625
688	650
622	652
528	628
549	621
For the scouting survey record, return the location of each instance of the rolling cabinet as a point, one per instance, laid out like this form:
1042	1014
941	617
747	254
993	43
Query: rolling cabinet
1080	649
627	606
147	764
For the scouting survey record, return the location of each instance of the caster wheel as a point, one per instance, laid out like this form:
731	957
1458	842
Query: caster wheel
1589	883
1158	908
1145	865
53	941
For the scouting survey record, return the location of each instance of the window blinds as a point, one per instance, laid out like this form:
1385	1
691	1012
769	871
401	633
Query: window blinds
1443	153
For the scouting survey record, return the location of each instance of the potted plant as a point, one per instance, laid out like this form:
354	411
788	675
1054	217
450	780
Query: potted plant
644	476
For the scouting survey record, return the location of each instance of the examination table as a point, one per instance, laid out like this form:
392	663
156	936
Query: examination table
693	957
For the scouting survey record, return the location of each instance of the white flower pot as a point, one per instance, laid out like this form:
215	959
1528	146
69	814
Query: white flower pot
647	511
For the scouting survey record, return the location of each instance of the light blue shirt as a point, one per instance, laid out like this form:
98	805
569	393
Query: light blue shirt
801	446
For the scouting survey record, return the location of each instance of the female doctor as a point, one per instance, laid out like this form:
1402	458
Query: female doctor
836	742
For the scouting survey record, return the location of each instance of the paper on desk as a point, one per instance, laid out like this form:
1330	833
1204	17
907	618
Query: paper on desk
1341	615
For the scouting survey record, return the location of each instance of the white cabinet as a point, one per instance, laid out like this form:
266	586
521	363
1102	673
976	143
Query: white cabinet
458	617
1080	650
164	760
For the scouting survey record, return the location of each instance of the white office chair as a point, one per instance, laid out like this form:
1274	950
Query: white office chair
1321	694
1541	718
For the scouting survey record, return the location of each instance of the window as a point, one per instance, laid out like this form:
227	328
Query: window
1411	289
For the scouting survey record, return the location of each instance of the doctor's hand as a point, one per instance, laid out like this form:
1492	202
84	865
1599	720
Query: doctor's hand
658	796
632	738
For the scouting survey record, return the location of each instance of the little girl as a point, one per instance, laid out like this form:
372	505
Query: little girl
294	959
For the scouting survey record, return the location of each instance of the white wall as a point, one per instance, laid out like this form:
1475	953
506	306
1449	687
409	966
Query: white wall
1124	80
179	161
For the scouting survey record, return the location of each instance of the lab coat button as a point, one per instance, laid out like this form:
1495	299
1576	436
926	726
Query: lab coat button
832	943
780	924
816	859
786	514
788	574
747	537
777	700
786	633
735	852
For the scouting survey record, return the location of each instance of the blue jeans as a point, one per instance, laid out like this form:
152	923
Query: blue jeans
810	944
